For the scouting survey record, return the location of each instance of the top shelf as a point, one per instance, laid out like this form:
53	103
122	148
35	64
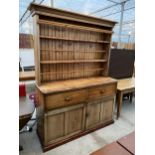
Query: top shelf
71	26
68	39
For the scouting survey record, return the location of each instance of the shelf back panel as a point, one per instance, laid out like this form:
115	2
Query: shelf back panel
67	49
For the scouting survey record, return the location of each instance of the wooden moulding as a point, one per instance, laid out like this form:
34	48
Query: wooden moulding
62	14
65	25
56	144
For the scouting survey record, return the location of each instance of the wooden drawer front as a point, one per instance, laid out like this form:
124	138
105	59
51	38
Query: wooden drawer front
65	99
101	91
64	122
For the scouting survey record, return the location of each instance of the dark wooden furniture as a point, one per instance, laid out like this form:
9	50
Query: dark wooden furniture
124	86
29	75
74	94
121	63
112	149
128	142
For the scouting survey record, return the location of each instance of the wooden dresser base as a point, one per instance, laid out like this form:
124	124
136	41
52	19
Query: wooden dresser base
51	146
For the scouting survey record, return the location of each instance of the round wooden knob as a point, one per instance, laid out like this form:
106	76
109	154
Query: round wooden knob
67	98
102	91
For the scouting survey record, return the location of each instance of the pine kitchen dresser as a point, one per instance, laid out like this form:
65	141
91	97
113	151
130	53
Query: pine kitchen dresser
74	94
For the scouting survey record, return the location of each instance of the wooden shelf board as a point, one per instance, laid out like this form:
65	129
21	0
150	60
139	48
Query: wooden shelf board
27	75
97	51
71	26
68	39
75	71
70	61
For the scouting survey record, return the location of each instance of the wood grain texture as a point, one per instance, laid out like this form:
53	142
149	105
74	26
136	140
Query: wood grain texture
96	92
62	123
29	75
36	32
63	141
67	47
93	114
125	84
71	26
74	95
67	51
60	86
73	39
65	99
107	107
63	14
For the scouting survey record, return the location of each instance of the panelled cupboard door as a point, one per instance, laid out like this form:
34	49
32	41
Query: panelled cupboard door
106	113
64	122
93	114
54	127
74	120
99	112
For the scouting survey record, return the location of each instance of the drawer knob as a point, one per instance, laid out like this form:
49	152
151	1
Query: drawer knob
102	91
87	114
67	98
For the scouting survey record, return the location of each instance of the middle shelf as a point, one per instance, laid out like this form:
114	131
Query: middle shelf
71	61
71	39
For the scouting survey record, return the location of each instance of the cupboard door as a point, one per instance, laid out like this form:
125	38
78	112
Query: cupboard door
106	110
93	114
54	127
64	122
74	120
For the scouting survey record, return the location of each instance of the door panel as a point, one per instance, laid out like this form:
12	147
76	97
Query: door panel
54	127
64	122
106	110
93	114
74	121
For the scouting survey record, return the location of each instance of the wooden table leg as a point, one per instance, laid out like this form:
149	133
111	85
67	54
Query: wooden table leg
131	95
119	103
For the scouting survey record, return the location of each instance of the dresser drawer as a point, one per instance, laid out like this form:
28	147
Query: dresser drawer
101	91
64	99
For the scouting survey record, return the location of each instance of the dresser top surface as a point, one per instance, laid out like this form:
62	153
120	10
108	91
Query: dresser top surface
67	85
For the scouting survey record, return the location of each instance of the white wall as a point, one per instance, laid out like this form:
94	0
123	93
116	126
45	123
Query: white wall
27	57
